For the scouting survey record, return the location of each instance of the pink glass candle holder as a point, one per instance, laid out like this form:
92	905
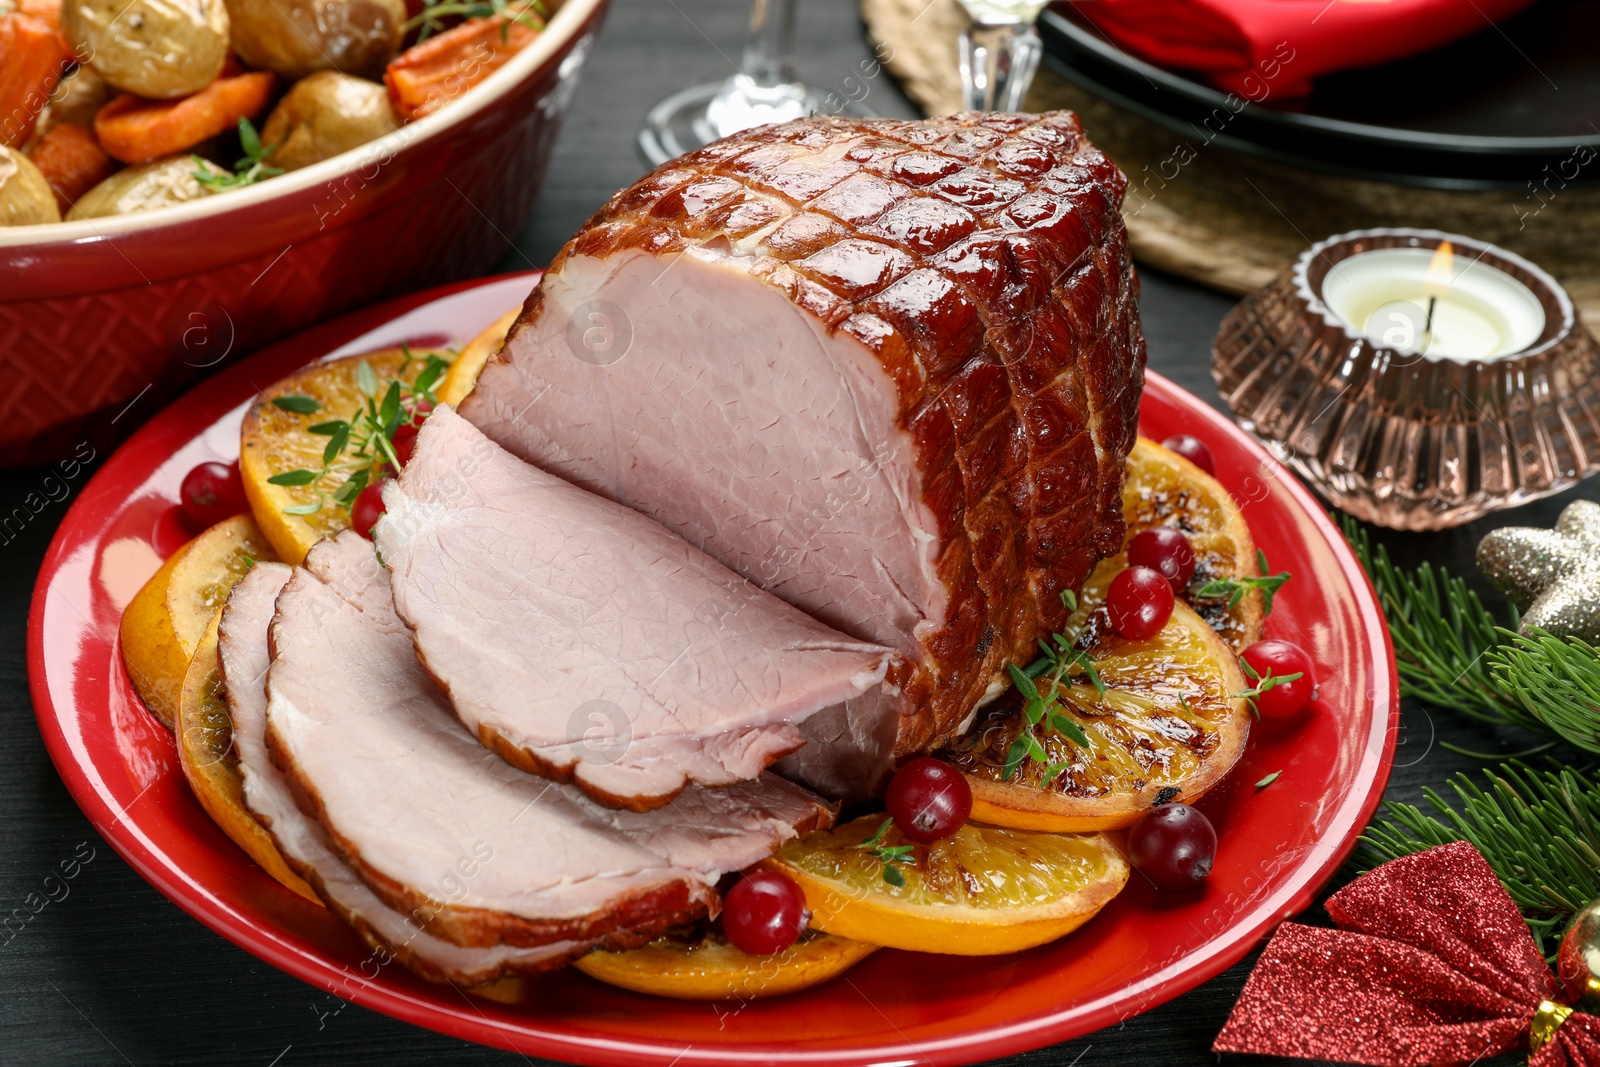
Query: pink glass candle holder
1410	395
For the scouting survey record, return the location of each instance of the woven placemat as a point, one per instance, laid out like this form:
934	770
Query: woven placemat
1231	220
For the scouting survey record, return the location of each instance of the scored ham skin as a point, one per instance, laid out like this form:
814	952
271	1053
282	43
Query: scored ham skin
243	655
407	797
586	643
887	370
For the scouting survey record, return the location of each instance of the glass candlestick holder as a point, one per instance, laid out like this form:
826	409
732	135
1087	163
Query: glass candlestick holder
1413	395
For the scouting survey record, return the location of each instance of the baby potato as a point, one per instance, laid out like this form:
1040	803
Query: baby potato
157	49
299	37
77	97
25	197
324	114
147	187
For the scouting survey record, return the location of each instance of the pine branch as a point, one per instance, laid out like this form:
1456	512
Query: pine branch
1539	830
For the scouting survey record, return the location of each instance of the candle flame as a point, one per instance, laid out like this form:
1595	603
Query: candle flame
1441	270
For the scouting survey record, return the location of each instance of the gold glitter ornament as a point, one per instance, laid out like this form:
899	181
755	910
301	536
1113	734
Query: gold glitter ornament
1578	961
1552	576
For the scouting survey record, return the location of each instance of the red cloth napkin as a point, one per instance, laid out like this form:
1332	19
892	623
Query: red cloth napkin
1432	964
1261	48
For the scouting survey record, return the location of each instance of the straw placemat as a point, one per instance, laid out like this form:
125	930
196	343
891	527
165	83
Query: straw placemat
1230	220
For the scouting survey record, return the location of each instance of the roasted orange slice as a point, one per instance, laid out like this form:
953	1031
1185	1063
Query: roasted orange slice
164	622
707	967
463	373
984	891
291	429
1165	724
205	751
1164	489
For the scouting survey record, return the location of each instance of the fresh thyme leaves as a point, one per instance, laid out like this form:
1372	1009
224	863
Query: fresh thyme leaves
435	13
891	856
360	449
1234	589
1268	780
250	169
1264	684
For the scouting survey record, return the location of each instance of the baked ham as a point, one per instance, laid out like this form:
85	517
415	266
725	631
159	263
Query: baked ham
242	643
584	642
887	370
440	828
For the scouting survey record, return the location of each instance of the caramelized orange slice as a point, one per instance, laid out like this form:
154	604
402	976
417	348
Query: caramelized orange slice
1168	726
707	967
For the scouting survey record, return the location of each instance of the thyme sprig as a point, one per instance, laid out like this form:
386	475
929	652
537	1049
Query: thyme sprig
434	14
1265	683
361	447
1039	685
248	170
891	856
1234	589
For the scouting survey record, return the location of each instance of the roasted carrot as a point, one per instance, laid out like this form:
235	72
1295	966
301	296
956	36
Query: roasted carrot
46	11
32	57
72	161
136	131
428	76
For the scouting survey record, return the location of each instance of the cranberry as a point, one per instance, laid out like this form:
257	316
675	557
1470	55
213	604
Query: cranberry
1280	659
1192	449
764	913
210	493
368	508
1164	549
1173	845
404	442
928	799
1139	601
421	408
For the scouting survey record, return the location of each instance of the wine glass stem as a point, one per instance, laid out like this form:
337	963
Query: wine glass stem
998	61
769	51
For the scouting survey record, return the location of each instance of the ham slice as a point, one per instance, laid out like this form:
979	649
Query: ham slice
887	370
439	827
242	643
584	642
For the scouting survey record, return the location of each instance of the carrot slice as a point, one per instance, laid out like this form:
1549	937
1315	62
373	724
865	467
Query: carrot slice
428	76
136	131
72	161
46	11
32	57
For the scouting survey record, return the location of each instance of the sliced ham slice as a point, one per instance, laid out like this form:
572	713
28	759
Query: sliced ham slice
585	642
886	370
242	642
439	827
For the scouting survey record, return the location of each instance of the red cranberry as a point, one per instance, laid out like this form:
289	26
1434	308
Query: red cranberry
1173	845
1192	449
368	508
210	493
421	408
1139	601
764	913
929	799
404	442
1164	549
1282	659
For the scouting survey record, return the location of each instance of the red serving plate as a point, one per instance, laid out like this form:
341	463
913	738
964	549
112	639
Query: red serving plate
1278	845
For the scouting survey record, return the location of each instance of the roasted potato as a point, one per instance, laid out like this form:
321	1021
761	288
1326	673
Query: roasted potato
147	187
324	114
158	49
25	197
76	98
299	37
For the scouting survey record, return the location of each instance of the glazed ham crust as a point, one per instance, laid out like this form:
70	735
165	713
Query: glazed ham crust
982	262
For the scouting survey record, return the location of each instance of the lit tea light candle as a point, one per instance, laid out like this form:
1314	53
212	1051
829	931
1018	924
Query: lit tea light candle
1434	303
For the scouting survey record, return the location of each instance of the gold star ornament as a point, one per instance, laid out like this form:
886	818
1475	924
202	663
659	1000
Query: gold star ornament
1552	576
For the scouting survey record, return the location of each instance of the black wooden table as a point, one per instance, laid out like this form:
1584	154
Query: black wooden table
116	974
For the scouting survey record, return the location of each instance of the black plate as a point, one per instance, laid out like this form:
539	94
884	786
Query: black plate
1493	110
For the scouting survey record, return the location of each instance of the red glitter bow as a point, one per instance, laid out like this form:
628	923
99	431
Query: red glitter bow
1432	964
